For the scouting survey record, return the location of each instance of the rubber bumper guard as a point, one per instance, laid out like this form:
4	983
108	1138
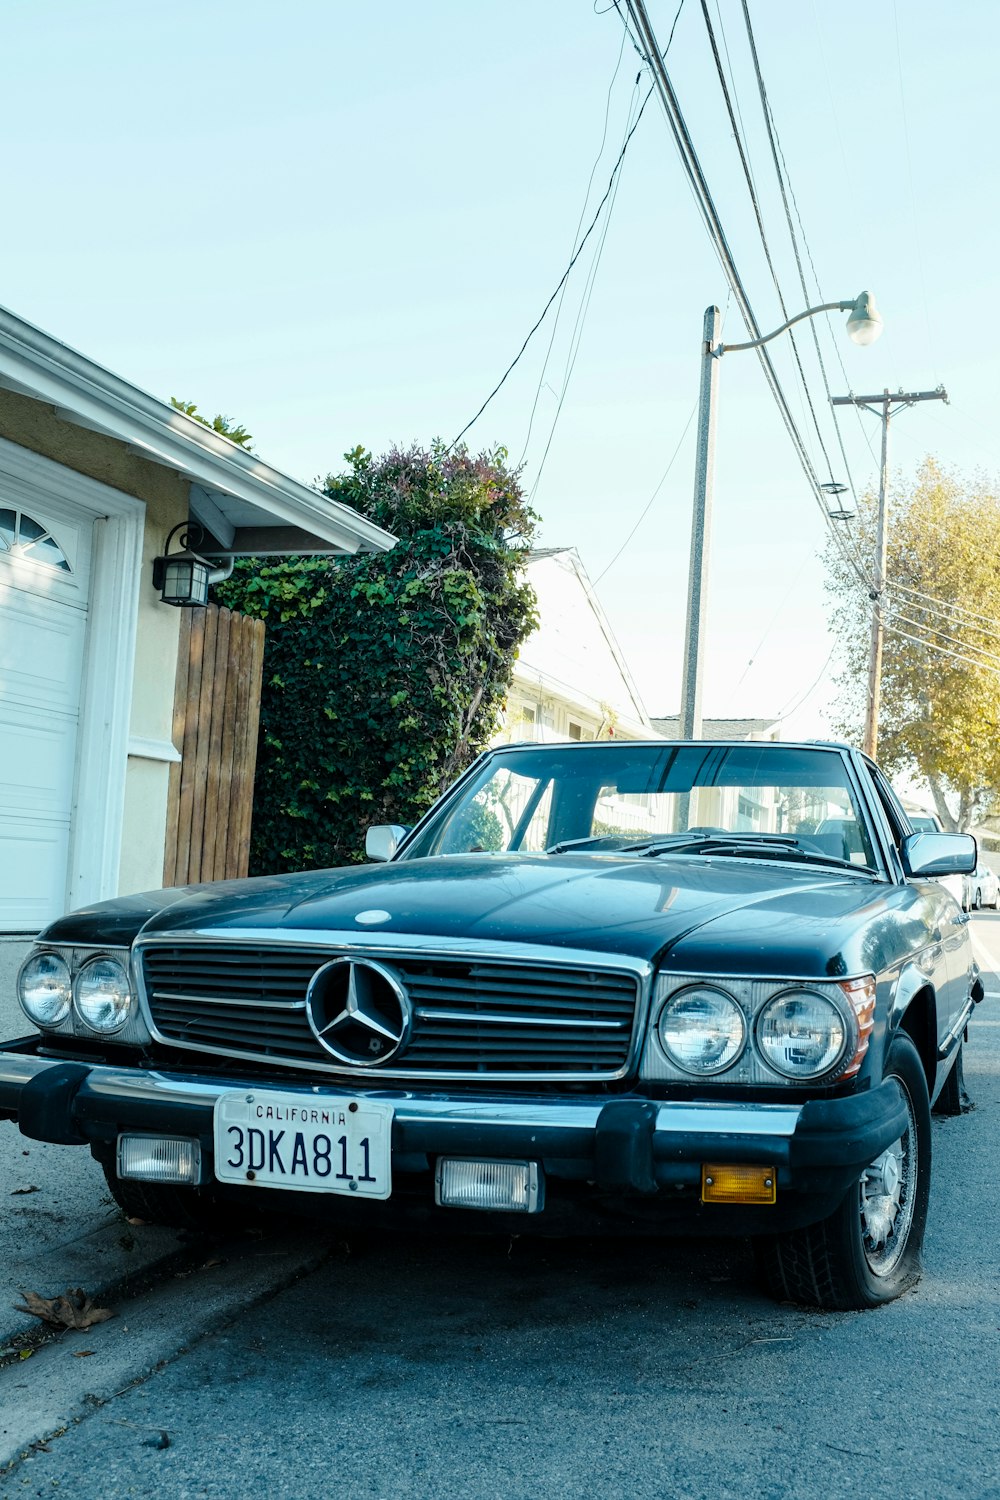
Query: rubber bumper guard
45	1108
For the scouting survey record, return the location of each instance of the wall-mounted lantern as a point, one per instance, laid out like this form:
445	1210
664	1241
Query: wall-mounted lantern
183	577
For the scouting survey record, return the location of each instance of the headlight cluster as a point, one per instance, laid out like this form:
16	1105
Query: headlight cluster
95	993
751	1030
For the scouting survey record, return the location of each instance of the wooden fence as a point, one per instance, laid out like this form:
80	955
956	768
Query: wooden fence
216	717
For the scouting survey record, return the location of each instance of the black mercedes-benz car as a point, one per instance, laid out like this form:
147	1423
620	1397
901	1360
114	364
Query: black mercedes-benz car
700	988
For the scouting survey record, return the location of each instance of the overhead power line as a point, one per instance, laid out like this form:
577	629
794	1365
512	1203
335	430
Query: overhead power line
648	506
710	216
992	622
573	260
576	235
751	185
784	186
941	650
954	640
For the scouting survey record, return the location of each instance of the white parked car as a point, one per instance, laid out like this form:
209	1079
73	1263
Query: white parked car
982	888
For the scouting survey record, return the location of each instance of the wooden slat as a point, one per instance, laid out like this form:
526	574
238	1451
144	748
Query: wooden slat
225	701
177	735
192	699
251	721
216	721
202	747
216	795
242	786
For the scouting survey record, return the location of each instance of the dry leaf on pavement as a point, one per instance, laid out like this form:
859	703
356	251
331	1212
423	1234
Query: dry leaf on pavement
32	1189
73	1309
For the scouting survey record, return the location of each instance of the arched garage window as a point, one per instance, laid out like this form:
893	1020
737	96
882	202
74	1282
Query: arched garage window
21	534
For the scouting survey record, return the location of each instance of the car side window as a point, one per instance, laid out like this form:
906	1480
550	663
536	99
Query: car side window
895	816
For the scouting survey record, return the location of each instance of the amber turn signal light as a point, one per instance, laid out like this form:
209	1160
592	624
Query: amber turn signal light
738	1184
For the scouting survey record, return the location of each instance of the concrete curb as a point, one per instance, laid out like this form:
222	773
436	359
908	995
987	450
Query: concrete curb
45	1396
105	1262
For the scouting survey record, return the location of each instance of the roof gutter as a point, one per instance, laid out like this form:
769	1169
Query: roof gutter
82	392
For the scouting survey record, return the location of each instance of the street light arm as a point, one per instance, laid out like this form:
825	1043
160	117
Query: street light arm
810	312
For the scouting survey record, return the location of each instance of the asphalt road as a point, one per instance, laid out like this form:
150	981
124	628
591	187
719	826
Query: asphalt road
307	1366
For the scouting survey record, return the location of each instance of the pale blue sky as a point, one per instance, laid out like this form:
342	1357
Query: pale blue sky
337	223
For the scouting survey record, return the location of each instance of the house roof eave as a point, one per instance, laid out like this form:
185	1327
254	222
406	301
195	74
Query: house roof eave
238	489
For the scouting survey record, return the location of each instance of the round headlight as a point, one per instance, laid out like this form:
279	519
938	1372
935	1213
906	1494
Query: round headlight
43	988
702	1029
102	995
801	1034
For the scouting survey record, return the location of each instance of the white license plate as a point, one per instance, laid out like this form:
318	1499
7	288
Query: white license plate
313	1145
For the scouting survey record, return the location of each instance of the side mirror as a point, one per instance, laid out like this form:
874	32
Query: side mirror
382	841
934	854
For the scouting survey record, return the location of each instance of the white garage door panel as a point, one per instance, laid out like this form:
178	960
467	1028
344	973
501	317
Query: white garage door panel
43	626
33	858
36	765
41	651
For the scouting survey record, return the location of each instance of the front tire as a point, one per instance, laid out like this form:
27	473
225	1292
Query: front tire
868	1251
953	1098
172	1206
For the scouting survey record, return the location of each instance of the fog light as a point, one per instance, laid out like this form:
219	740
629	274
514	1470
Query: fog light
157	1158
738	1184
504	1186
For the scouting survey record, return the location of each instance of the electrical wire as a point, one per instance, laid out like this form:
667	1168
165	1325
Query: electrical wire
744	162
991	623
774	619
786	713
581	316
706	205
941	650
573	259
954	640
576	235
647	507
784	186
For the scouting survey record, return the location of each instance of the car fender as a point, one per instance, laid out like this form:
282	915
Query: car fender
913	1009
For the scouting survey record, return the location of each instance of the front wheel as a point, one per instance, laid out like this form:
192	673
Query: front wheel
868	1251
172	1206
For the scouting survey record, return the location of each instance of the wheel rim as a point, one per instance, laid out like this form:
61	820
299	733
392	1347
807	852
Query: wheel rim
887	1197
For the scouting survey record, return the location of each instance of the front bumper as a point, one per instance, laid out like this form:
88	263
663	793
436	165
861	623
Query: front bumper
623	1147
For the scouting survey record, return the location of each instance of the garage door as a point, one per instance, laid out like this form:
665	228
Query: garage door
45	552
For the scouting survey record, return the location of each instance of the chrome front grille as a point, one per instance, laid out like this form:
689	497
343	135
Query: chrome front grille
472	1018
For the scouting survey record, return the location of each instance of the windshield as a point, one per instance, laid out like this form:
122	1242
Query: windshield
785	800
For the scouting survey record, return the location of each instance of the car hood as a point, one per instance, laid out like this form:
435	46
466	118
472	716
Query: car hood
696	913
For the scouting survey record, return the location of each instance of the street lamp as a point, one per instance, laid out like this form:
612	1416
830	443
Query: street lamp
864	324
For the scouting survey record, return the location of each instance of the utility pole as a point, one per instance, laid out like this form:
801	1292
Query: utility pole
882	407
701	526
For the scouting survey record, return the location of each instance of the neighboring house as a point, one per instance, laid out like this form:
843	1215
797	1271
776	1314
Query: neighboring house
94	475
722	729
570	680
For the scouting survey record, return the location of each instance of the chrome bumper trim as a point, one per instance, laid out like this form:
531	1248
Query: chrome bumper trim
698	1117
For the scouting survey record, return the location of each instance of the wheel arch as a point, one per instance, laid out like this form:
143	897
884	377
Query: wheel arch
917	1019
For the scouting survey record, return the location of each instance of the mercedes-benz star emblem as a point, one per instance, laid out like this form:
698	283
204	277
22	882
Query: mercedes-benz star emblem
358	1011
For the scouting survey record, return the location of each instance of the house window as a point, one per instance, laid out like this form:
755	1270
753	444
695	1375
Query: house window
25	537
575	731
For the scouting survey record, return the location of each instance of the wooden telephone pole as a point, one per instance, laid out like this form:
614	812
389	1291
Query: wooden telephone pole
882	407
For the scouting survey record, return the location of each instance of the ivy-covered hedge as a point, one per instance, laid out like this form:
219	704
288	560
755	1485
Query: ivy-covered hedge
384	673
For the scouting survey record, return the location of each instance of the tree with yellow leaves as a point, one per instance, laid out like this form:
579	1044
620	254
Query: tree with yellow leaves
940	704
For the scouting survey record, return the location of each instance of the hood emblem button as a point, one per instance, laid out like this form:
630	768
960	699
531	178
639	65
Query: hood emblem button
371	918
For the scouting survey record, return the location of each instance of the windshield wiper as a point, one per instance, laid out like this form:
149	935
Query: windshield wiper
772	847
611	841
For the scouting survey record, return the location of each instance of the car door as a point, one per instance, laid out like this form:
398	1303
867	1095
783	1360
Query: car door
948	957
